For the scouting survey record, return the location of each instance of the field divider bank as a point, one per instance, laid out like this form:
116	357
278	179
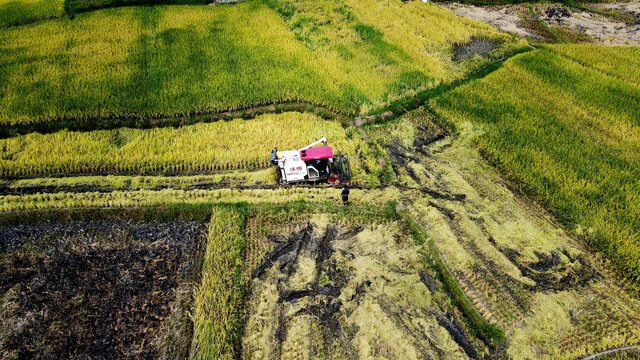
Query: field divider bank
402	106
180	120
490	334
217	315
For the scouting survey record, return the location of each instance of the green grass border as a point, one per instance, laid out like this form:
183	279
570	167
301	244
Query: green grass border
490	334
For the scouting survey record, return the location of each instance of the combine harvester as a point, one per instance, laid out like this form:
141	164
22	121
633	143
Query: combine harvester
311	164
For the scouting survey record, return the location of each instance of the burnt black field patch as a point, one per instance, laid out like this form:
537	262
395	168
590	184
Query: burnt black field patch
97	289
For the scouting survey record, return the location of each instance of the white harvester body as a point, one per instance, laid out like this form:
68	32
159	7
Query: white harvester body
311	164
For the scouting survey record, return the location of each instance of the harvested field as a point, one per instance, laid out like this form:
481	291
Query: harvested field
521	270
571	144
329	291
572	24
506	18
601	29
97	289
630	11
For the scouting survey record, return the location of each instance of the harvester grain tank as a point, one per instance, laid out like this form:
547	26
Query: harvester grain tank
311	164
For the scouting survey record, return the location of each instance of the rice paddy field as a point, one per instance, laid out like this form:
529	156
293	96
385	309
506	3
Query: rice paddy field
572	143
173	60
494	198
200	148
25	11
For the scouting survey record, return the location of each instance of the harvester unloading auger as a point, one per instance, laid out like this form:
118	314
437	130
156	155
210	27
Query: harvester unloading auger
311	164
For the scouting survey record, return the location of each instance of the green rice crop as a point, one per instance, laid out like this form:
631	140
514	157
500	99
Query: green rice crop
154	61
159	61
15	12
74	6
619	61
199	148
569	136
218	300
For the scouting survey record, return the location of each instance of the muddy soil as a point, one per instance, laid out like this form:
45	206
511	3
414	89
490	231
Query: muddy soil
600	29
333	293
629	9
506	18
519	268
97	289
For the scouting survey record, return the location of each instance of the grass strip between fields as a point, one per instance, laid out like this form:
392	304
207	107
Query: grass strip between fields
218	300
402	106
490	334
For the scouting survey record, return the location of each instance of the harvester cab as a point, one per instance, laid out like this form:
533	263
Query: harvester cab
311	164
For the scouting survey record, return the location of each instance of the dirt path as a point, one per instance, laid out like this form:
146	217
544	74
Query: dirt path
520	269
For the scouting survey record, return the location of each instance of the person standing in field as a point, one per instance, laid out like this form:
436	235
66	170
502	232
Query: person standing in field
345	195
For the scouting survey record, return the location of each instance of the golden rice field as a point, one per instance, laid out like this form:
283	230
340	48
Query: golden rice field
623	62
572	142
179	60
218	299
237	144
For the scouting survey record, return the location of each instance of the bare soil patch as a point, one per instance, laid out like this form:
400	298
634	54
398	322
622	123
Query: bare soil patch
97	289
581	25
601	29
506	18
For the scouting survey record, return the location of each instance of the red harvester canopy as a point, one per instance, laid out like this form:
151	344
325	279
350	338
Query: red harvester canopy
320	152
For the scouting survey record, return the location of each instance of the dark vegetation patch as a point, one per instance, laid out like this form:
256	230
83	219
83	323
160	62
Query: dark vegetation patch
550	272
97	289
556	13
21	12
475	46
386	52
